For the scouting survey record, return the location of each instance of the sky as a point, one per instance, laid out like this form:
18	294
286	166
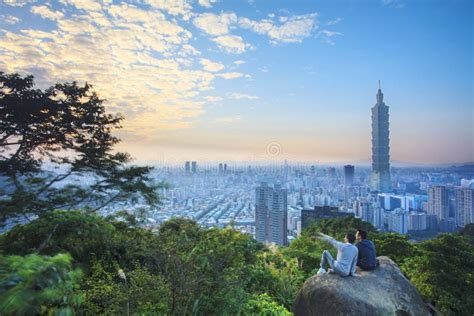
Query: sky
260	80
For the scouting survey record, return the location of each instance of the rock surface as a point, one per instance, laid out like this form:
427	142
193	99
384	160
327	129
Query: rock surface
384	291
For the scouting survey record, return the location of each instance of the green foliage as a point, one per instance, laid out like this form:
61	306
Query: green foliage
443	272
264	305
139	292
393	245
38	285
221	259
468	233
278	276
307	250
86	237
185	269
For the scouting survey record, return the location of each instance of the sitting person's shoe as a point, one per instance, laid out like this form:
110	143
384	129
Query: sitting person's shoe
321	271
331	271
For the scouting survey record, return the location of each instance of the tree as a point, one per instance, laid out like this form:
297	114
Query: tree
64	126
277	276
443	272
86	237
468	233
393	245
307	250
35	285
264	305
118	292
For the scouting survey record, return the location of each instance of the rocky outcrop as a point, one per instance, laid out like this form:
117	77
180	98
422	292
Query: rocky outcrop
384	291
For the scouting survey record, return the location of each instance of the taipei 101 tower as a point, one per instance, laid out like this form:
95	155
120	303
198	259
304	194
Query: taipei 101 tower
381	181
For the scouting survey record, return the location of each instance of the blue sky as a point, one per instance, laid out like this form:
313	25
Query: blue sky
224	80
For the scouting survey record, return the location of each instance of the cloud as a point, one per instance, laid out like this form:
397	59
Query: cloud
288	29
215	24
9	19
292	29
239	62
231	44
138	59
206	3
17	3
230	75
86	5
326	36
242	96
46	12
393	4
173	7
334	22
211	66
218	27
330	33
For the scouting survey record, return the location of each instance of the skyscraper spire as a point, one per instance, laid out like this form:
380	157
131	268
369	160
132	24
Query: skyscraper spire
379	95
381	180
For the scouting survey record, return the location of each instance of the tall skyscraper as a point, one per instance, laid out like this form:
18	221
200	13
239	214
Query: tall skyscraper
381	180
271	214
348	175
464	206
438	202
187	166
194	166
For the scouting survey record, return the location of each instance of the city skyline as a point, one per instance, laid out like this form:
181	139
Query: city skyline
214	81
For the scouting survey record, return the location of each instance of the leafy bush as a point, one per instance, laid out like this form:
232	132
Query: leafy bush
36	284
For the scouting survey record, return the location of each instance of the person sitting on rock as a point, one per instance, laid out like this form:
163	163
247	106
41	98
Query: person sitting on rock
346	261
367	258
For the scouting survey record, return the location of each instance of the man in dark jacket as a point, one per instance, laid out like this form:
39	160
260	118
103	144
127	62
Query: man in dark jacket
367	258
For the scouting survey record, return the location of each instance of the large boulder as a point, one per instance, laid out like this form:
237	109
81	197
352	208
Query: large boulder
384	291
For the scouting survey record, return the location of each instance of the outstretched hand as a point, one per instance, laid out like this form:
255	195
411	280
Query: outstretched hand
323	236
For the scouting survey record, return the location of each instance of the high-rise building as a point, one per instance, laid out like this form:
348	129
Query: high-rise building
381	180
194	166
221	168
438	202
464	206
225	167
348	175
271	214
348	182
263	194
187	166
398	221
378	217
417	221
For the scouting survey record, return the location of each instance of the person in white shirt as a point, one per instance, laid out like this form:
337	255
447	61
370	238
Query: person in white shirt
346	261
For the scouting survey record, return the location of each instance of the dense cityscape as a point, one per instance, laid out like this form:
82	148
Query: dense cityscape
274	202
